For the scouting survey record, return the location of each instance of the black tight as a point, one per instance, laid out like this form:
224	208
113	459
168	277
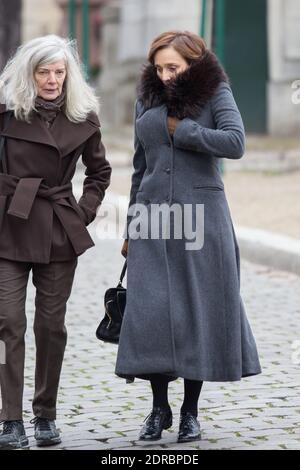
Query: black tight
192	389
159	385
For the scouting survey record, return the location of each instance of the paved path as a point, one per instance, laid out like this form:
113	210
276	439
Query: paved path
98	410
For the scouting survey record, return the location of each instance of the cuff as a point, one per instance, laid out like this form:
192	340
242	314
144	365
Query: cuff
183	131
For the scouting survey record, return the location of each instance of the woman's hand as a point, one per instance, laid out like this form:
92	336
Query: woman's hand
124	249
172	124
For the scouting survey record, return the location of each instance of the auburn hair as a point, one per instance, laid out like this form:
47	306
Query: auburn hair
189	45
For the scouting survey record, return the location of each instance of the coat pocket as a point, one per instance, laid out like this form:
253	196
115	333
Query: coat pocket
73	204
82	215
3	200
208	188
79	211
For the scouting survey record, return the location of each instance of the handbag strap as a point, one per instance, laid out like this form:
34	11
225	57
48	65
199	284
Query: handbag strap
123	272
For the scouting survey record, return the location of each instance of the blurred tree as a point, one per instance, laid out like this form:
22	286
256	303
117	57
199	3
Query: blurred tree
10	28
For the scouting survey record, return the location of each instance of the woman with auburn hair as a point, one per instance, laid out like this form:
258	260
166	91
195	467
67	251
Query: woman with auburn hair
48	118
184	315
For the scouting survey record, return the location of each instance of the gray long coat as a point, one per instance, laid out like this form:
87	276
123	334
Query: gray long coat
184	315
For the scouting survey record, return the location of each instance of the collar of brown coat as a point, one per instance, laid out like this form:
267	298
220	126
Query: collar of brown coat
185	95
64	135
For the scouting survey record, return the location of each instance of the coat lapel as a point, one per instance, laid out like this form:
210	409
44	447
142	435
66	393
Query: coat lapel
35	131
70	135
64	135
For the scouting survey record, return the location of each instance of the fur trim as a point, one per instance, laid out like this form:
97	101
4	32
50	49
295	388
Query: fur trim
188	92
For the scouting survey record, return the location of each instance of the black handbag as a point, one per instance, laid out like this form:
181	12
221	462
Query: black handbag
114	302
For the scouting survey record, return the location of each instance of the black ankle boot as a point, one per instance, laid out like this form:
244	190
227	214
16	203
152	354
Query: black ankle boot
157	420
13	435
189	427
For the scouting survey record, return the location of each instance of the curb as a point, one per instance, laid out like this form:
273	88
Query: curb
268	248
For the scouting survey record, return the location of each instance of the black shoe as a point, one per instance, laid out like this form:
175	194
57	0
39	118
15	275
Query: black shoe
13	436
157	420
45	432
189	428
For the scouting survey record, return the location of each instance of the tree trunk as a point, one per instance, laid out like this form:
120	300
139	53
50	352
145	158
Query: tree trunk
10	29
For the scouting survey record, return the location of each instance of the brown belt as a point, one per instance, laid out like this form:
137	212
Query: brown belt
25	190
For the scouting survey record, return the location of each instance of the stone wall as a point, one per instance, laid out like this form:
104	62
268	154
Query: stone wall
284	66
40	17
129	27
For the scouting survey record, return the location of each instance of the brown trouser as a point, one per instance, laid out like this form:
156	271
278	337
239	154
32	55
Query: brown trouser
53	284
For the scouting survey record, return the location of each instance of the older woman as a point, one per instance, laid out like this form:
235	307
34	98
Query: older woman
184	315
48	118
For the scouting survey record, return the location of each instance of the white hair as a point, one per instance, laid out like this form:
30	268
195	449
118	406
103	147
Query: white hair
18	89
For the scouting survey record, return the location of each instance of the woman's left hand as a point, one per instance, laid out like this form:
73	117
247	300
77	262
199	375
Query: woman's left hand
172	124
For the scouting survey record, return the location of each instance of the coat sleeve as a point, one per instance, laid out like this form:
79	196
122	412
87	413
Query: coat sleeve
98	172
227	140
139	166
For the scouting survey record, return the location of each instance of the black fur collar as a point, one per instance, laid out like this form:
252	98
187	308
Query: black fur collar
186	95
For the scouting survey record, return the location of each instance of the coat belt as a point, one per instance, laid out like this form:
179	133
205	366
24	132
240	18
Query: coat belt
25	190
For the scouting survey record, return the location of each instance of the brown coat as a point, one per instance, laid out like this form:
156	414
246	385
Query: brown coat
40	220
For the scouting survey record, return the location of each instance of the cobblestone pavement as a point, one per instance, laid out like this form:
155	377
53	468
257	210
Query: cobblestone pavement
97	410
